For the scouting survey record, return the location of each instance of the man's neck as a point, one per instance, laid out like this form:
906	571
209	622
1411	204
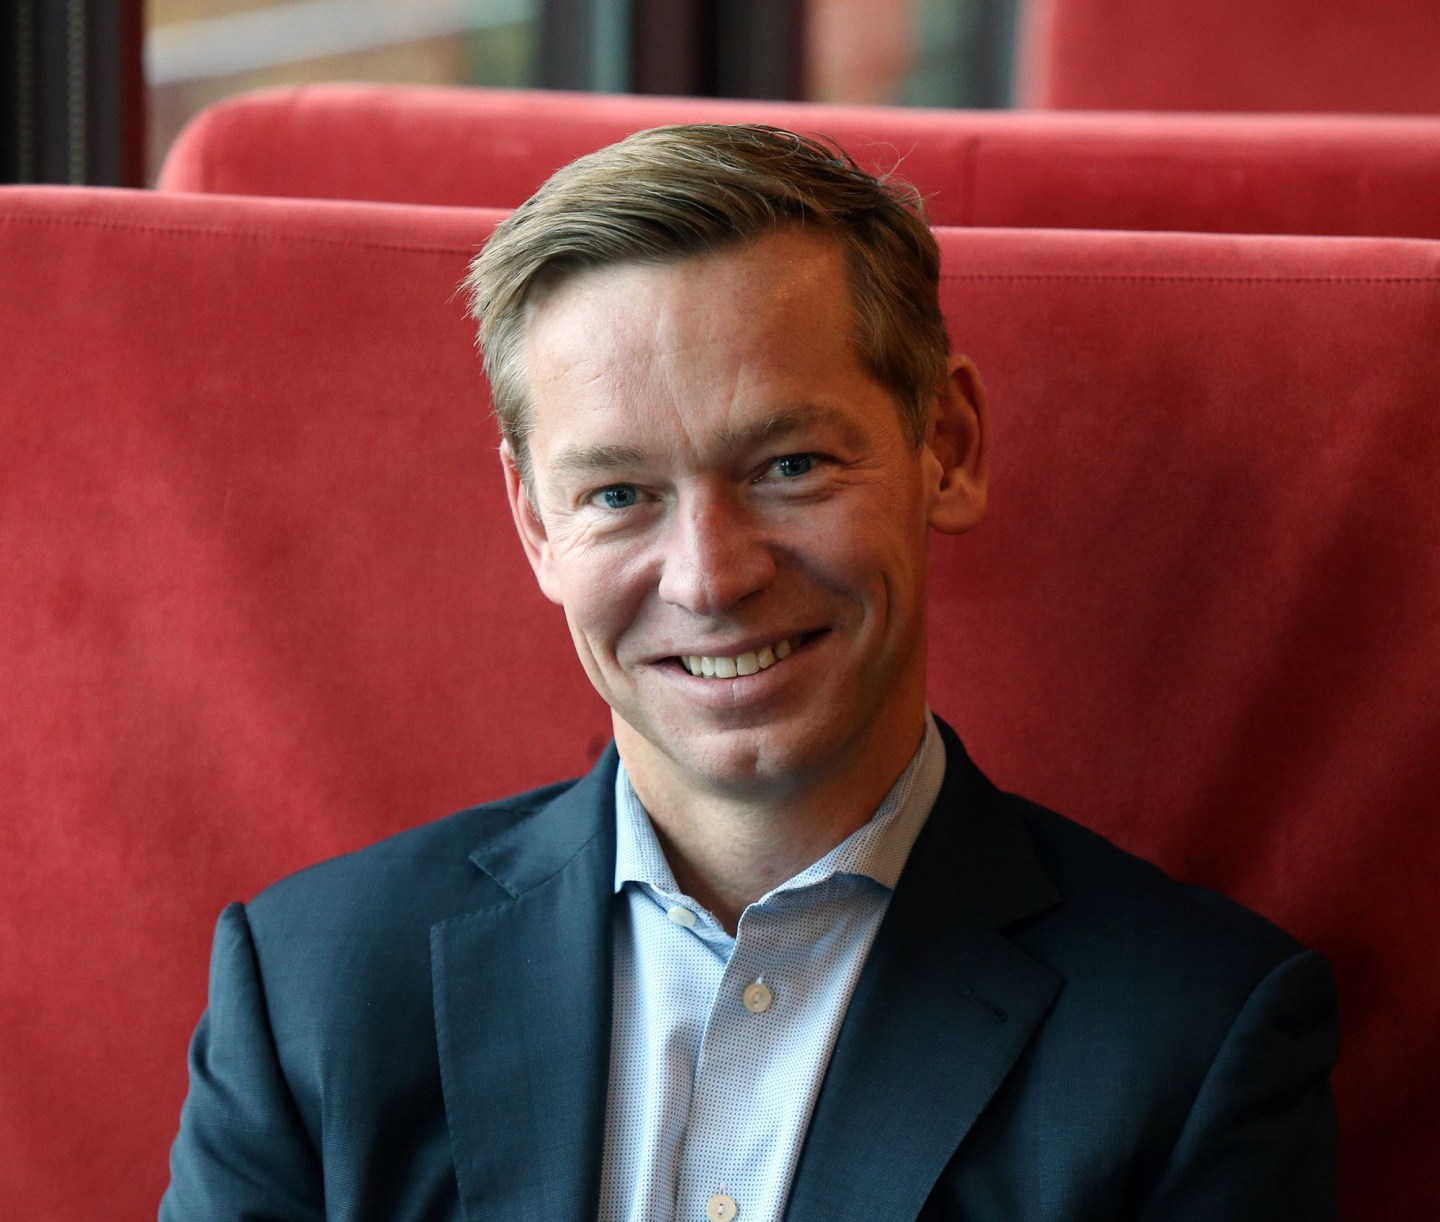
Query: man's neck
727	849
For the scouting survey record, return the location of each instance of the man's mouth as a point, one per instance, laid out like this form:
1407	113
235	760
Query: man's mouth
706	667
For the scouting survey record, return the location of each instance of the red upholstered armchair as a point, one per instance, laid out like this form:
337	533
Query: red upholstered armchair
263	605
1353	56
1226	174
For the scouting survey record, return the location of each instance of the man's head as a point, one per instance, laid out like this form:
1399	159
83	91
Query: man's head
732	423
677	192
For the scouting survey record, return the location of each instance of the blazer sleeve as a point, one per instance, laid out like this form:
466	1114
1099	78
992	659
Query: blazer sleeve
242	1152
1259	1142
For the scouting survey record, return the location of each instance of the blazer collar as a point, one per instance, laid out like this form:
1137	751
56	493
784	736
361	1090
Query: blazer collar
522	1009
942	1010
525	843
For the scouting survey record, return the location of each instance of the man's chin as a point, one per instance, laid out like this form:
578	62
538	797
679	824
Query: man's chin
749	764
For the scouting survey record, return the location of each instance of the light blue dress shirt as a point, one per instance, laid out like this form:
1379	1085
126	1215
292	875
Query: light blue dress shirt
719	1044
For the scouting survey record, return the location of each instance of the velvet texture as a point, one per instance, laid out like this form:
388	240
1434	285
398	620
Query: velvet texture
1224	174
264	604
1365	56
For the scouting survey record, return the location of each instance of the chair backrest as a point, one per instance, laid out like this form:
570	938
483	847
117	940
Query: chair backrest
1357	56
264	605
1227	174
1204	614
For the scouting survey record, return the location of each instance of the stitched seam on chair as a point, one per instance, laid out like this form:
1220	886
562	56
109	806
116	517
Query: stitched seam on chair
396	247
243	234
969	178
1180	278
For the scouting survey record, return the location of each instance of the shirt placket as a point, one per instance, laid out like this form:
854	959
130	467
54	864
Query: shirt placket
728	1137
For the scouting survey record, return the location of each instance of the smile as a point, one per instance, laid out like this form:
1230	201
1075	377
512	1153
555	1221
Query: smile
707	667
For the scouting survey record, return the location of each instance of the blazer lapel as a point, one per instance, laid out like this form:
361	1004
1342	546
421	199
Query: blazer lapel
522	1010
944	1007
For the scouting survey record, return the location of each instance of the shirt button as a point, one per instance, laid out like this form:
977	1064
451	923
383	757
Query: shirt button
757	997
682	916
721	1208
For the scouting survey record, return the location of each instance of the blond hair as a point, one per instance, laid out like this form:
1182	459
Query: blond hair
676	192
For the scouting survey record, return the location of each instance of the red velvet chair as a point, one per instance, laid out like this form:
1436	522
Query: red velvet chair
411	144
263	604
1360	56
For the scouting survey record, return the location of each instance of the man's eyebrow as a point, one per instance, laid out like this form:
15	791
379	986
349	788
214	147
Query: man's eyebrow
593	460
598	459
791	420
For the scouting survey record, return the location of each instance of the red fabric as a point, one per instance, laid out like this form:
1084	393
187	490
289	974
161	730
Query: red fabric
264	604
1363	56
1204	616
1227	174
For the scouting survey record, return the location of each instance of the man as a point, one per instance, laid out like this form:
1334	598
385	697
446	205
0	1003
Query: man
784	953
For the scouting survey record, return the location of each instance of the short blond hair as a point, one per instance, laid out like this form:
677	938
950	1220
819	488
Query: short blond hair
677	192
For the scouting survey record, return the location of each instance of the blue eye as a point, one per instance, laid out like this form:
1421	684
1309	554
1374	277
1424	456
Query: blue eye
618	496
793	465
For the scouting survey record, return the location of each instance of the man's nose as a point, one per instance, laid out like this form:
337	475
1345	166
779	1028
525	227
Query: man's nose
716	555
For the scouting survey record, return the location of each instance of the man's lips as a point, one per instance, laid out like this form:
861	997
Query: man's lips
742	659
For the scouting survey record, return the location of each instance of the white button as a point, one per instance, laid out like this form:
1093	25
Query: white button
721	1208
682	916
757	997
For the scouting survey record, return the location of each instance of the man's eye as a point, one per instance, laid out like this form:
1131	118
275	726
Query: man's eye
617	496
793	465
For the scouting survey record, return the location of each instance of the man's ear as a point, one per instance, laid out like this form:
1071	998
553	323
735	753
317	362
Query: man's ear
528	525
958	451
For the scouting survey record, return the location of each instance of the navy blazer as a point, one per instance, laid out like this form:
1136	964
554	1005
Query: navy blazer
1046	1029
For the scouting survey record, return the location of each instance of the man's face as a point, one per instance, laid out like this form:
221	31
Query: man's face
716	478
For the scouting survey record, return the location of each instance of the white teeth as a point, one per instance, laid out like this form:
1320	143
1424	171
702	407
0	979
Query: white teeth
746	664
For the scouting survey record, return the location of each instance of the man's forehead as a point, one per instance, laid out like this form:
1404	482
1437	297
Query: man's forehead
702	359
747	311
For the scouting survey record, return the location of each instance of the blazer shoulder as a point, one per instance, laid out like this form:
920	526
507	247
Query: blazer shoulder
1127	901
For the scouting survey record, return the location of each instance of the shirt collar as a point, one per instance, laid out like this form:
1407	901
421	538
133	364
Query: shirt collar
877	850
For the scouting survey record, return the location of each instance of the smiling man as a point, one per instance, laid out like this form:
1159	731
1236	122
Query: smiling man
785	952
734	517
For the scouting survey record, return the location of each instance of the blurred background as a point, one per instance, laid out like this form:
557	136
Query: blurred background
95	90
